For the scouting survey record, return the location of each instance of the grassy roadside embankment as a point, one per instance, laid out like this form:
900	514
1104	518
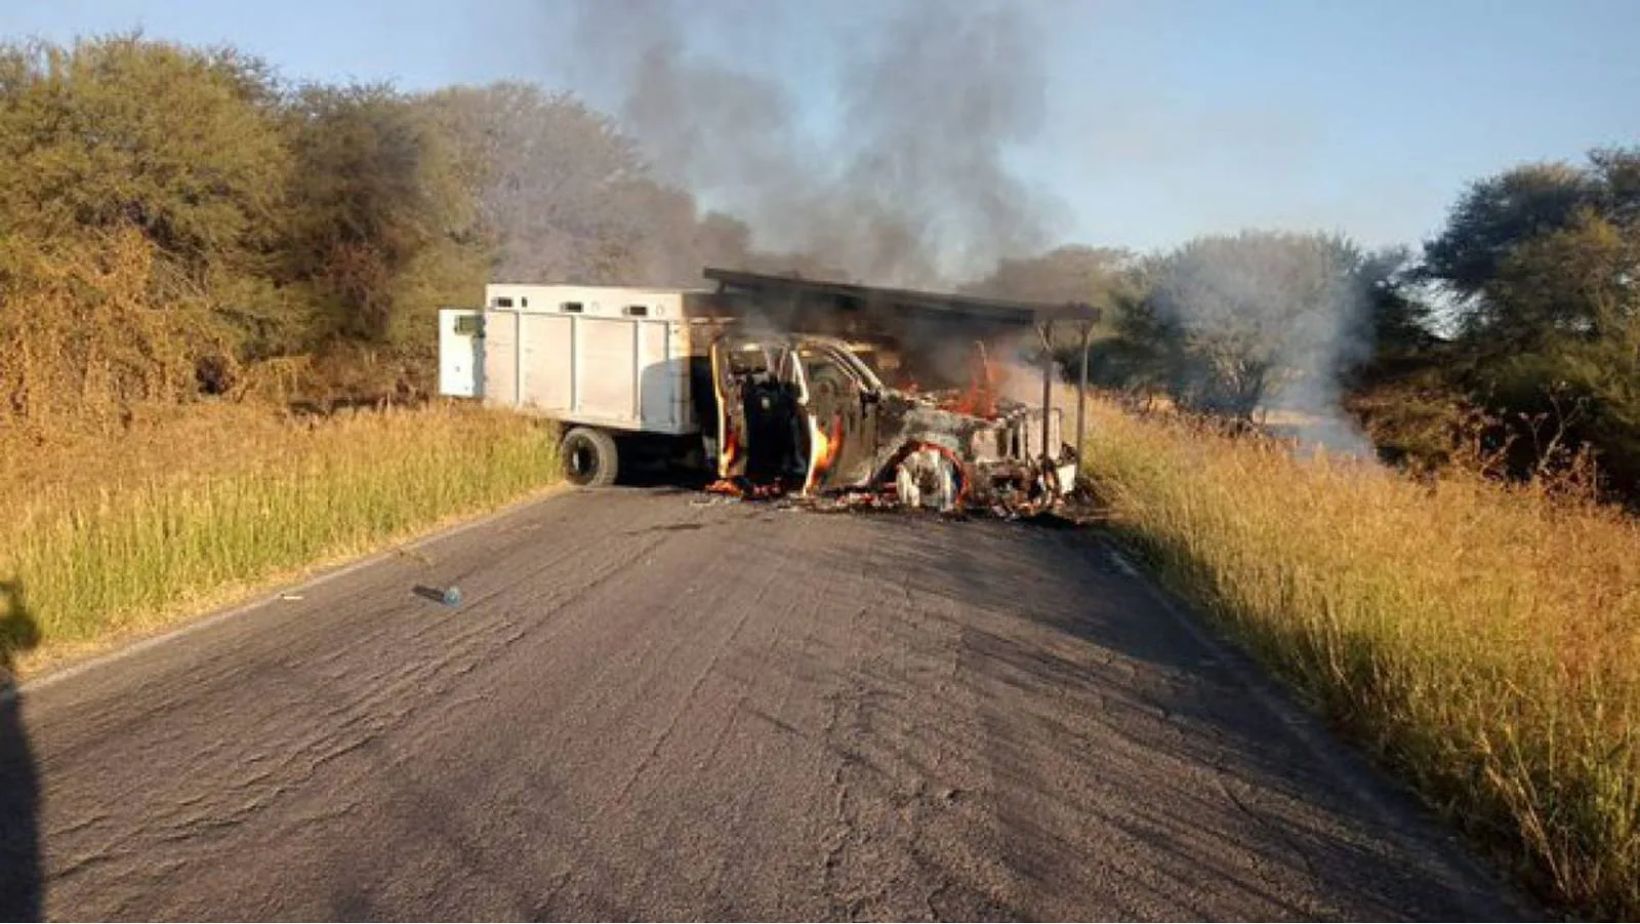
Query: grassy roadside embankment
1483	641
104	538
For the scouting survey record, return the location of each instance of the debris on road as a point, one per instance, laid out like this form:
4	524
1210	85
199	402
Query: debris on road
449	596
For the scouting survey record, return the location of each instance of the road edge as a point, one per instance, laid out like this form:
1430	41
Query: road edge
264	592
1343	758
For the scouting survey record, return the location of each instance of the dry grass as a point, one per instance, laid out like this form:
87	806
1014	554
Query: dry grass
105	537
1484	641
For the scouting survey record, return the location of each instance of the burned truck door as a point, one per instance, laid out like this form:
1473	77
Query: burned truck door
762	438
731	411
842	419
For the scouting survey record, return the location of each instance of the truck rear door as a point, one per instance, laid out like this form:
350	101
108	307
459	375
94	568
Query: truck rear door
461	352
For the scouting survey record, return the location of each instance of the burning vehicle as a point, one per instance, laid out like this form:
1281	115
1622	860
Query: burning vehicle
807	414
775	386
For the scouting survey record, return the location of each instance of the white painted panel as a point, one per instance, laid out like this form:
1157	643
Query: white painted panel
594	301
605	383
658	376
677	335
501	358
545	360
460	352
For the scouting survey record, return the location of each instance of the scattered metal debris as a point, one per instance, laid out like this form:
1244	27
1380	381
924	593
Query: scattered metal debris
449	596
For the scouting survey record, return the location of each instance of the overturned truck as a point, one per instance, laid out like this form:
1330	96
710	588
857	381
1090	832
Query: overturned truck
776	385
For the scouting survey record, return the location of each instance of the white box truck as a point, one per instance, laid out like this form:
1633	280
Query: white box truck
725	380
608	361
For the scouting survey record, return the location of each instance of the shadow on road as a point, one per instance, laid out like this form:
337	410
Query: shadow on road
19	787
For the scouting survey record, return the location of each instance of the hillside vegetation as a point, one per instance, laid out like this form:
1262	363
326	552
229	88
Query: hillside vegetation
1483	639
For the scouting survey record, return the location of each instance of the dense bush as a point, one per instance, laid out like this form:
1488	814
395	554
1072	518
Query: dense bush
177	221
1543	264
1511	345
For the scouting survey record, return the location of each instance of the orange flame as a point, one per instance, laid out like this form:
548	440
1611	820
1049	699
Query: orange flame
725	486
823	451
980	397
727	455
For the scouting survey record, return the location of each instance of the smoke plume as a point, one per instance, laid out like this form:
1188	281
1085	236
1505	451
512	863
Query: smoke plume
881	152
906	182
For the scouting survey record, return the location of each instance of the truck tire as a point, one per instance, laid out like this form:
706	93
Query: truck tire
590	458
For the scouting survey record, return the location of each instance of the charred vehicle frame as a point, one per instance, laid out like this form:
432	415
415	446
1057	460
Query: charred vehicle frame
806	414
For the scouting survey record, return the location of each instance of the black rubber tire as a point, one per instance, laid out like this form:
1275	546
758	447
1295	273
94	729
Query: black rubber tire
590	458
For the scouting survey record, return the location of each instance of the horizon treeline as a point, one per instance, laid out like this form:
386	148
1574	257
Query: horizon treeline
179	222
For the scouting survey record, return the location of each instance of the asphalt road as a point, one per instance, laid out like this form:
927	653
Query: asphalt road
650	707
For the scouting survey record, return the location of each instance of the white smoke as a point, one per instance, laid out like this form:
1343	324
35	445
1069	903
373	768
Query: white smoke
1267	322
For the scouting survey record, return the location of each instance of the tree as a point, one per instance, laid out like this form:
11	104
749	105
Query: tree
1581	281
1399	313
1576	293
1235	319
1617	171
381	221
1499	212
1546	259
86	146
565	196
554	181
140	189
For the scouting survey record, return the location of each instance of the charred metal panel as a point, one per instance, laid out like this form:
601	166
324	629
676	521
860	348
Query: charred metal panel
761	415
729	385
840	403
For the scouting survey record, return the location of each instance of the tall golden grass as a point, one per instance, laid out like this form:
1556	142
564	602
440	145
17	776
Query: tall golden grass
104	537
1483	640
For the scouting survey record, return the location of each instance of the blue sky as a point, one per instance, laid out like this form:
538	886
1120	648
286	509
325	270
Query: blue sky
1162	119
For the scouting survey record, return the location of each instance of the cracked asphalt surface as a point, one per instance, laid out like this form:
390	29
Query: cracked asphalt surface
651	707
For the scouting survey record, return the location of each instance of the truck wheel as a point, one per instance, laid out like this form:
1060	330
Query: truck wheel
590	459
929	480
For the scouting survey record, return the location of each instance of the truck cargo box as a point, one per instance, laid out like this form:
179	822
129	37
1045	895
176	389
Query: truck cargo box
596	355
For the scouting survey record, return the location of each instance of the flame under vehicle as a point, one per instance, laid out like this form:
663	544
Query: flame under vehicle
775	385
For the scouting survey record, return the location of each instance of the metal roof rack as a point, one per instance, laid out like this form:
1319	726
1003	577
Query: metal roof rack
849	295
